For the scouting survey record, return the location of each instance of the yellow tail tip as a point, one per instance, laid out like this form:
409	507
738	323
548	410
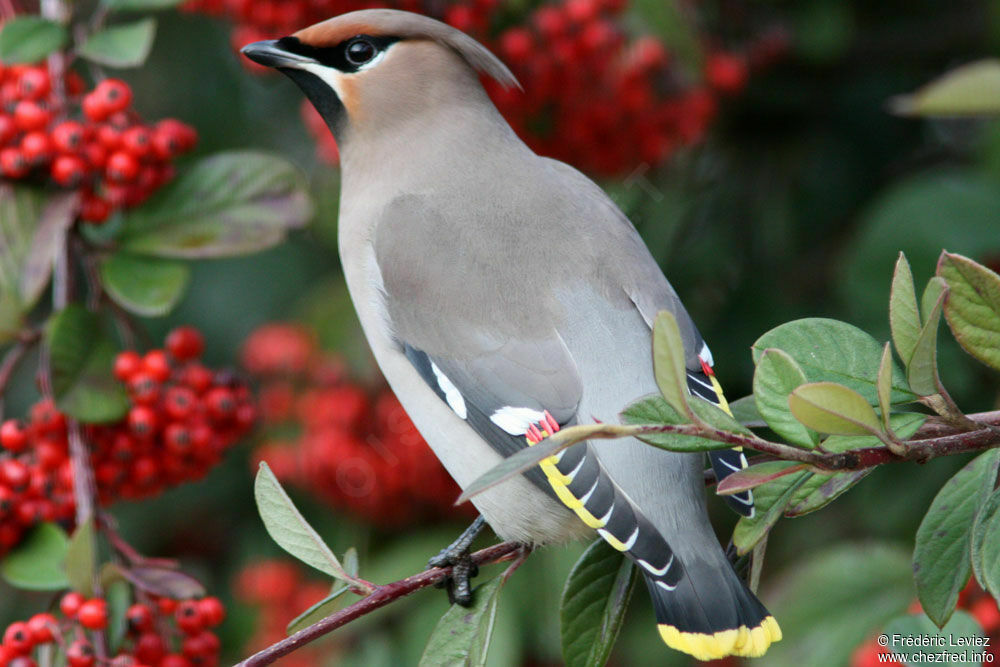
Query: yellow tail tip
742	641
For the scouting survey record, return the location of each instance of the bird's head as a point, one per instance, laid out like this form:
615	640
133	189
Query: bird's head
371	68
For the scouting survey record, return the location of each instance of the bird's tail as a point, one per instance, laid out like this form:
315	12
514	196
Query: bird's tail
711	614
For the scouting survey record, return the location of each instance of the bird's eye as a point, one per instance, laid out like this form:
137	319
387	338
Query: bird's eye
359	51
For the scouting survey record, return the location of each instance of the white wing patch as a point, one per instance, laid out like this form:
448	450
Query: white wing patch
516	421
451	392
706	354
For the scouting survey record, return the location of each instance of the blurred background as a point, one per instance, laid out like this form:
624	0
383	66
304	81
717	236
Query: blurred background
749	141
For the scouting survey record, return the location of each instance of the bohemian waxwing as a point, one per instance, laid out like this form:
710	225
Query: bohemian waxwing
503	295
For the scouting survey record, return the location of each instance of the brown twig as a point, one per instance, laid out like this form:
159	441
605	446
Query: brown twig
382	596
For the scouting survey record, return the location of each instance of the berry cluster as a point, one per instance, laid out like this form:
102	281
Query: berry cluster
358	451
280	593
973	599
183	417
594	94
91	141
161	632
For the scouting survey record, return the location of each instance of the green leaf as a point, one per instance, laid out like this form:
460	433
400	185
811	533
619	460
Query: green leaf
821	490
119	597
462	636
903	424
146	286
228	204
37	563
140	5
970	90
669	362
985	547
33	229
754	476
770	501
81	358
915	638
941	563
904	315
972	309
883	385
833	351
125	45
163	581
830	601
829	407
775	377
286	526
81	553
594	601
745	412
653	409
921	369
28	39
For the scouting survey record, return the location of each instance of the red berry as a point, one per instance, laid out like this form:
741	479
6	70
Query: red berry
144	388
37	147
68	171
115	94
93	614
188	617
13	436
155	363
726	72
8	128
34	83
986	612
17	638
67	136
142	421
185	343
31	116
94	108
122	167
13	163
43	628
139	618
212	611
70	604
127	364
221	403
80	654
149	647
179	402
138	141
14	474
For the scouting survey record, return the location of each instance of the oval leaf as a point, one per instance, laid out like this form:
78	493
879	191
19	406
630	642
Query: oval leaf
821	490
286	526
28	39
921	369
904	314
231	203
81	358
462	636
140	5
37	563
832	351
754	476
164	582
653	409
668	362
972	309
47	243
969	90
146	286
770	501
775	377
594	601
986	544
941	556
81	553
883	385
125	45
829	407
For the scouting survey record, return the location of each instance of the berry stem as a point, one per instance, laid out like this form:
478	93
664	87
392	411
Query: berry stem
382	596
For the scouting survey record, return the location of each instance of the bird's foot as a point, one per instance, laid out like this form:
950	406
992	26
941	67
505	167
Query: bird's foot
545	427
457	556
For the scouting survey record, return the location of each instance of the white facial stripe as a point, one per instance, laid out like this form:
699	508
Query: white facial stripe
328	75
516	421
451	392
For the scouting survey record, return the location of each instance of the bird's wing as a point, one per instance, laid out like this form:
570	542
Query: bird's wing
649	291
512	390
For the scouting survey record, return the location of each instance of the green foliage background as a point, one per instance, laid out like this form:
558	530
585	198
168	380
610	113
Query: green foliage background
795	207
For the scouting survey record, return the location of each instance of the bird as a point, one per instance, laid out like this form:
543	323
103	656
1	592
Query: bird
504	297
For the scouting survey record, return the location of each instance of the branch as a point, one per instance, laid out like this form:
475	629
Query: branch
382	596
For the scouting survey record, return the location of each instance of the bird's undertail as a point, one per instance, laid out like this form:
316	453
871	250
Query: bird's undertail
712	616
